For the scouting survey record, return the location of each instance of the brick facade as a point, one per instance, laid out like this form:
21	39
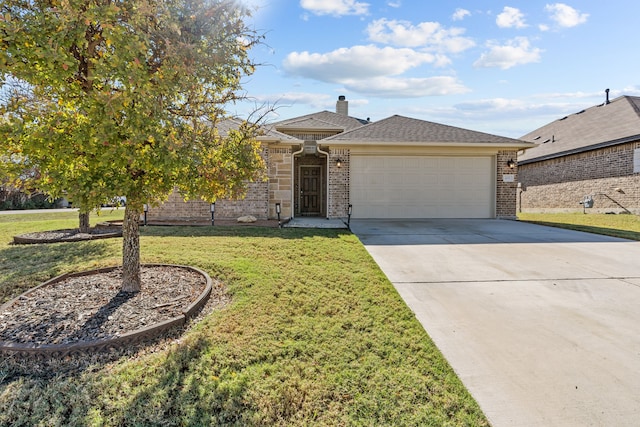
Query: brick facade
259	200
558	185
338	183
506	188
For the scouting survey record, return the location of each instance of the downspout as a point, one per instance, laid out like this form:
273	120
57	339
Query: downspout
293	177
327	193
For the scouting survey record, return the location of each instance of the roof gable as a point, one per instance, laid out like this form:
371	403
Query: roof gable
399	129
604	124
323	120
267	133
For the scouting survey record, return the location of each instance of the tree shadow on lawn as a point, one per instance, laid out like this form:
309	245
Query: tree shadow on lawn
179	386
148	391
25	266
241	231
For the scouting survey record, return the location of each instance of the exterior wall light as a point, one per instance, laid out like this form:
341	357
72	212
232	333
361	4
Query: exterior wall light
339	163
511	164
213	212
278	210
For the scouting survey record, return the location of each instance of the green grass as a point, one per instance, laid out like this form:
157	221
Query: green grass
315	335
625	226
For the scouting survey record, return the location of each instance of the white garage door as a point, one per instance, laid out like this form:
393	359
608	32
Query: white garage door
422	187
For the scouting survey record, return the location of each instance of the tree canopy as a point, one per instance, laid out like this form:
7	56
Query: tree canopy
118	97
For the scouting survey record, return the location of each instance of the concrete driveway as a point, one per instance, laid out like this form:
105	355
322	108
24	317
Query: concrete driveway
542	325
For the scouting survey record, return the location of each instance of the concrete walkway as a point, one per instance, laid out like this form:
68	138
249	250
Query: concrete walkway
541	324
314	222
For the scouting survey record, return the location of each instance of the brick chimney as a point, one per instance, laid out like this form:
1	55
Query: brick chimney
342	106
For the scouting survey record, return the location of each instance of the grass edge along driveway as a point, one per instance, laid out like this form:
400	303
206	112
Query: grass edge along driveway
315	335
623	226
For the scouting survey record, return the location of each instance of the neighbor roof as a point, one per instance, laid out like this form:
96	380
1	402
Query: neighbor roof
323	120
600	126
405	130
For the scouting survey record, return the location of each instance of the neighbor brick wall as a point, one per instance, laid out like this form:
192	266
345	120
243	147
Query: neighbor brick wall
506	206
558	185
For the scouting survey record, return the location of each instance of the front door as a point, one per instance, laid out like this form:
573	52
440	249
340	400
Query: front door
310	190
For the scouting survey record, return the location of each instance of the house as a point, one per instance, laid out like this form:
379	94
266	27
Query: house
593	154
322	164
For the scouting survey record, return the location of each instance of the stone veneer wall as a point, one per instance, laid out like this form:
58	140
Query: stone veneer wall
559	185
280	181
338	183
506	206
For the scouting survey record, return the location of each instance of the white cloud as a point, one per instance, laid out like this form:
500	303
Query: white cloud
516	52
390	87
373	71
566	16
357	62
499	116
428	35
335	7
510	18
460	14
395	4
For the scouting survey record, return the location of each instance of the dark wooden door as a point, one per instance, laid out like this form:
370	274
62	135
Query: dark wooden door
310	190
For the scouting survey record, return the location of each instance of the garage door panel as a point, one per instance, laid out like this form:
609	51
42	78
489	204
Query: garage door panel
422	187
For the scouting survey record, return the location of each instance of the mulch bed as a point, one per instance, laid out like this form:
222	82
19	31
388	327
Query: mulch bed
91	308
68	235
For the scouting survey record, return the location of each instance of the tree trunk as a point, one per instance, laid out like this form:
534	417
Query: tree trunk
131	250
83	219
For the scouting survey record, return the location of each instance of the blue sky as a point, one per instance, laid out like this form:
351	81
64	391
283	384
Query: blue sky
503	67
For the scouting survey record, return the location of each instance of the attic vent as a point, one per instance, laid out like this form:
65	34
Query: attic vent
580	112
562	118
310	147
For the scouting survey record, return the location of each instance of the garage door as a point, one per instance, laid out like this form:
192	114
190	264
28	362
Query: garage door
422	187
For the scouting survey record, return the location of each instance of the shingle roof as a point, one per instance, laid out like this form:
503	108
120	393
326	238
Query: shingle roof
595	127
323	120
268	132
398	129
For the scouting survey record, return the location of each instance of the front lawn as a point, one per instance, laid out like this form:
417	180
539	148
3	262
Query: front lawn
625	226
315	335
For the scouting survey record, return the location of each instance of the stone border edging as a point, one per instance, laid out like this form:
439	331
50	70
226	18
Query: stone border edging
129	338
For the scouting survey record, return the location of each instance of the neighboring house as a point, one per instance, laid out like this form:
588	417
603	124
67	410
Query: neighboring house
320	164
594	153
